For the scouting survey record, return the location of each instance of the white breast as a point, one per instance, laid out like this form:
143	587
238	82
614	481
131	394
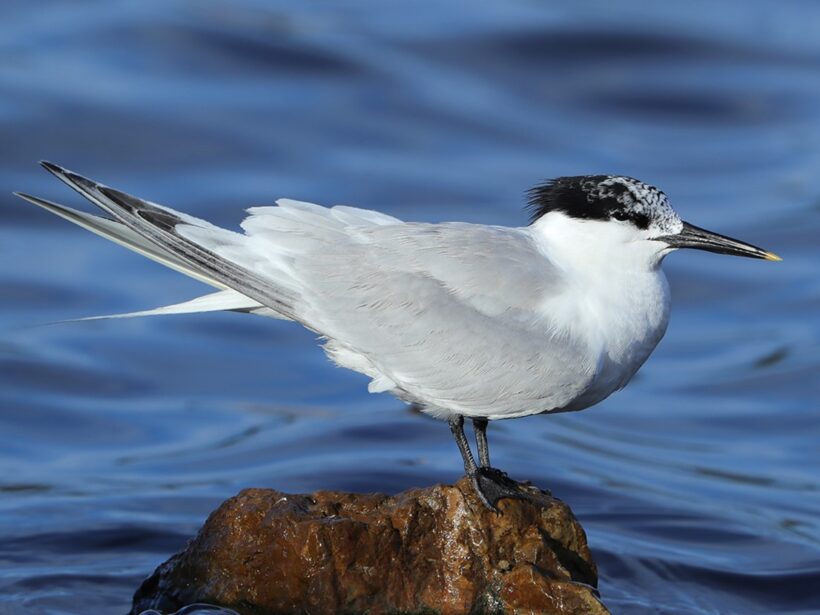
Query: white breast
617	299
623	328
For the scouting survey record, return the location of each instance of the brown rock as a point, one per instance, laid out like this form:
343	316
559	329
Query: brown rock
433	550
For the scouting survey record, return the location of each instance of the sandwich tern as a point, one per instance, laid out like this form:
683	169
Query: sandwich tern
462	320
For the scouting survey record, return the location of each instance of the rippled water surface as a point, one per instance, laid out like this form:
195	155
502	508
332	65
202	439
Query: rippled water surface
698	484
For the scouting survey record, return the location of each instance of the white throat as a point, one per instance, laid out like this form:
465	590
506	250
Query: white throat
616	297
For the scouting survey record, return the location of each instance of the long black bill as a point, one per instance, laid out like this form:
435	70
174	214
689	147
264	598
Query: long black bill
695	237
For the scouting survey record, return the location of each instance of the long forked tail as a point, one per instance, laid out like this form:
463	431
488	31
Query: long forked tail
152	230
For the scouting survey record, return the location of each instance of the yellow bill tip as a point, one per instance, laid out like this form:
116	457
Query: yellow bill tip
771	256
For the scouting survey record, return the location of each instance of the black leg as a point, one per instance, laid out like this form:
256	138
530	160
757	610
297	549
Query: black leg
490	484
457	427
480	428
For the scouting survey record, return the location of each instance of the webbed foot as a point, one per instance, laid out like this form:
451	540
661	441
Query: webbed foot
492	485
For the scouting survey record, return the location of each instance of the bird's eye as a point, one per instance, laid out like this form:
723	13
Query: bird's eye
620	215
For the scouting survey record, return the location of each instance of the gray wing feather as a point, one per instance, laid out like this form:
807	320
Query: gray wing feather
448	315
418	305
120	234
160	226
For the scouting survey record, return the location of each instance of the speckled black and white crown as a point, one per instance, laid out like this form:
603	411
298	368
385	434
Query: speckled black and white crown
605	197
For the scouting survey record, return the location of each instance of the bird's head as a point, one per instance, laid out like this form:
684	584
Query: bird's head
628	212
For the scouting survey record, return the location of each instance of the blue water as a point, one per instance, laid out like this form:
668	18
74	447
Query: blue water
698	484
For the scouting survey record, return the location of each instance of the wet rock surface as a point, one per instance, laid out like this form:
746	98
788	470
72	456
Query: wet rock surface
431	550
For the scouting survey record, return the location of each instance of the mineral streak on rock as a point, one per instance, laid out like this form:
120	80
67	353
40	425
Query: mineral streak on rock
432	550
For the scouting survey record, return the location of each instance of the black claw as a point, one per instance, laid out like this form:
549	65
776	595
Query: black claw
492	485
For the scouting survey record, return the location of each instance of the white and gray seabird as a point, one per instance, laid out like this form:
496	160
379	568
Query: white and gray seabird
463	320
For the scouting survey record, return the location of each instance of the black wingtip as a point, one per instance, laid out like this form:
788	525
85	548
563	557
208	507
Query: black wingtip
57	171
51	167
123	199
114	194
75	180
61	172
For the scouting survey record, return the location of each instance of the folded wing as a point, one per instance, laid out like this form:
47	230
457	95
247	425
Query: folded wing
449	315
